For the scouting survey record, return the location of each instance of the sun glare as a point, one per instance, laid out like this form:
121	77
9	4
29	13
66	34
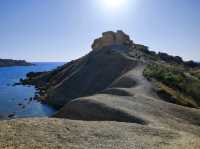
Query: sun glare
114	4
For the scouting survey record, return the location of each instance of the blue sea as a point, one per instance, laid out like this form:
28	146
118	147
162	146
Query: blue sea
15	100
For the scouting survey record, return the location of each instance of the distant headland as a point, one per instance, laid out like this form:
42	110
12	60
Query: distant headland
10	63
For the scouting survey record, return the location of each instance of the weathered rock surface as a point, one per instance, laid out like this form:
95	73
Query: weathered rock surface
83	77
131	99
112	38
49	133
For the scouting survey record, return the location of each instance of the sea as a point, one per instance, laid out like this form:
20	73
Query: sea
18	101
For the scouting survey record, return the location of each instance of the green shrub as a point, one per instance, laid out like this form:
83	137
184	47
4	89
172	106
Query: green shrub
175	78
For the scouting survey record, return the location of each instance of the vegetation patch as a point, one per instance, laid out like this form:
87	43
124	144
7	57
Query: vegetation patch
180	86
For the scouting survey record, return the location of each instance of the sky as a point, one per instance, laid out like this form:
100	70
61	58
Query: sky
62	30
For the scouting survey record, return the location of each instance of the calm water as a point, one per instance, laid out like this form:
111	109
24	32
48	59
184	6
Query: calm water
15	99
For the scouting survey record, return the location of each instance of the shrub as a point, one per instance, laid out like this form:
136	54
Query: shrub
175	78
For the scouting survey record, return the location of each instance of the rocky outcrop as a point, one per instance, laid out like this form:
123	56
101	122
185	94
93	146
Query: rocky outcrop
106	87
82	77
112	38
9	63
113	55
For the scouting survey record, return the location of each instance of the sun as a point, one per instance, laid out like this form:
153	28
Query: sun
114	7
113	4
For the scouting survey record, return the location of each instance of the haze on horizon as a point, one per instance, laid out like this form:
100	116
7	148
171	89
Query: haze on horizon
61	30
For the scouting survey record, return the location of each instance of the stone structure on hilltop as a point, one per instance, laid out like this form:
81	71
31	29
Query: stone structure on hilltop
112	38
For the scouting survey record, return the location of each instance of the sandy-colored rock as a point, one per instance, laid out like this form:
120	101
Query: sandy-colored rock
112	38
121	38
49	133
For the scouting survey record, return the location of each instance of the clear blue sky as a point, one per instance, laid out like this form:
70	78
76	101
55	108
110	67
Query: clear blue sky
61	30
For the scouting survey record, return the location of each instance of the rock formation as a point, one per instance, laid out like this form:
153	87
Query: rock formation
112	38
120	95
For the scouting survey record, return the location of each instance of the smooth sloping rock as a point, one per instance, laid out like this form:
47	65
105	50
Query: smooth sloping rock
67	134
